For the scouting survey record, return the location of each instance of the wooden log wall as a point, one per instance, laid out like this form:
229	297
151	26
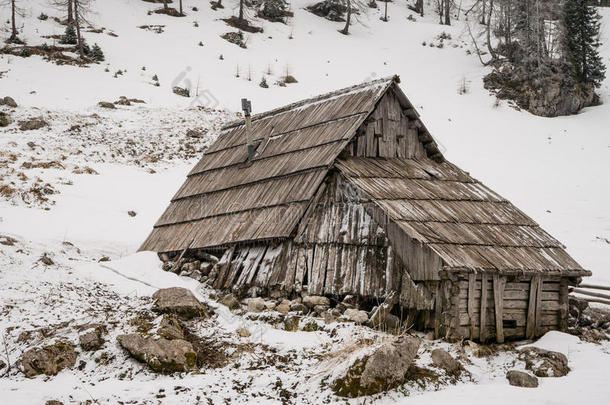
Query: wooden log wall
495	307
390	132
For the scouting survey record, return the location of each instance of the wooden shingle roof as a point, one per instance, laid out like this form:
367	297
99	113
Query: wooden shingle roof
226	200
469	226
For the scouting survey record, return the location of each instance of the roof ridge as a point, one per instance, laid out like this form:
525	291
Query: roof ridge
300	103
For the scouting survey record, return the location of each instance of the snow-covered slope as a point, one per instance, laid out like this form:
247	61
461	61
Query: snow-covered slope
556	170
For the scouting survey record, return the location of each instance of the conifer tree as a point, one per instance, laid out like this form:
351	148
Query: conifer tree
69	36
96	53
580	43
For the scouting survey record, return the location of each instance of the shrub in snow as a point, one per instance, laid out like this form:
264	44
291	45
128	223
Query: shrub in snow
97	54
43	17
263	83
69	36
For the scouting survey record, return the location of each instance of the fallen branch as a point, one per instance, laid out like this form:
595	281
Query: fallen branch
177	263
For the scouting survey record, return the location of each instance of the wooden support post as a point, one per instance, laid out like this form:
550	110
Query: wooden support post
383	310
472	278
437	311
223	265
530	327
177	263
563	304
483	322
538	332
499	305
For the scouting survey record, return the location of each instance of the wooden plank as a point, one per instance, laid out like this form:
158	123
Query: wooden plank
563	305
539	303
530	329
223	264
471	298
483	314
499	300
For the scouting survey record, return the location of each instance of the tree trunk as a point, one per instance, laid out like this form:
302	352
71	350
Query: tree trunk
419	5
483	14
181	13
447	10
78	37
385	17
165	4
488	30
345	30
13	24
70	13
241	10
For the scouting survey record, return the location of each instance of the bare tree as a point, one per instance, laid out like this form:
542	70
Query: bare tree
81	10
15	11
351	6
345	30
65	5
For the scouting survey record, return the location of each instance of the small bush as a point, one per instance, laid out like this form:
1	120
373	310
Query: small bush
97	54
263	83
69	37
43	17
290	79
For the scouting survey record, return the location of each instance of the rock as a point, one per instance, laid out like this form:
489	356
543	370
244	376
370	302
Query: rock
170	328
283	307
313	300
9	101
161	355
298	307
131	213
350	301
48	360
92	340
243	332
256	305
544	363
391	322
181	91
230	301
5	119
46	260
178	301
320	309
442	359
521	379
270	305
291	323
32	124
383	369
53	402
2	364
106	104
356	315
194	133
205	268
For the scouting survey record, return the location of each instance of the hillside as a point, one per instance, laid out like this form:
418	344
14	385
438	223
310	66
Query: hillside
96	164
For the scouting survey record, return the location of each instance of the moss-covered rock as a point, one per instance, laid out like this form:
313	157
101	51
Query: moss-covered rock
161	355
178	301
48	360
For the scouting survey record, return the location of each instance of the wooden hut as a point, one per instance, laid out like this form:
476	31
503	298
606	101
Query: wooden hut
348	193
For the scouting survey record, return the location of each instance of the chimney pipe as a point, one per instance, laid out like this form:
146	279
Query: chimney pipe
246	106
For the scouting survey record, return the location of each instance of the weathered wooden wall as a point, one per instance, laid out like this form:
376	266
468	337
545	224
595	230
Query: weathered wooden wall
508	308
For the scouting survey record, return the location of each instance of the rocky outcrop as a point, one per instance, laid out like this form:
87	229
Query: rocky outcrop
521	379
48	360
548	96
161	355
8	101
442	359
178	301
544	363
383	369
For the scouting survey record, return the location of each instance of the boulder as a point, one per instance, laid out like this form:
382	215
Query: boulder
106	104
53	402
320	309
356	315
178	301
313	300
383	369
9	101
92	340
256	305
283	307
298	307
32	124
521	379
442	359
544	363
194	133
230	301
391	322
5	119
291	323
161	355
170	328
48	360
2	364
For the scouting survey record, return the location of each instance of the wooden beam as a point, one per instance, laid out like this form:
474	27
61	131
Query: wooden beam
177	263
483	323
472	278
498	304
437	311
531	309
591	294
595	287
563	304
538	321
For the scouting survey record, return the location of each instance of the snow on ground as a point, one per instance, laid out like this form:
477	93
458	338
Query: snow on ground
556	170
